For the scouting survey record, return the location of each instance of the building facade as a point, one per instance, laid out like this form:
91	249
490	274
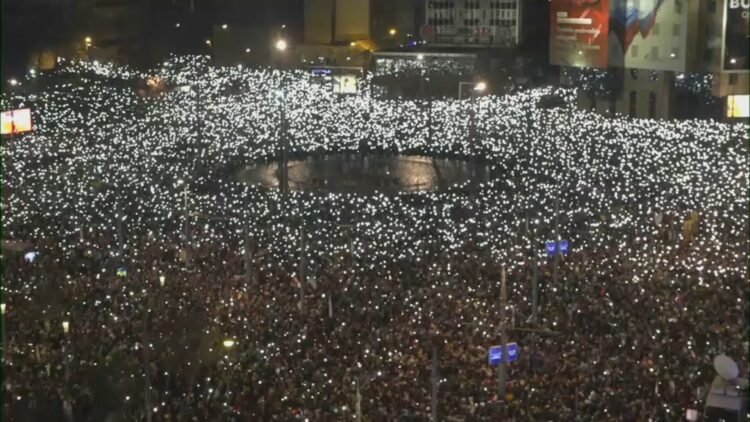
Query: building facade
473	23
656	59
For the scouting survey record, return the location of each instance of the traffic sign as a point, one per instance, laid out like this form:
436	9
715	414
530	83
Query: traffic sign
496	354
562	247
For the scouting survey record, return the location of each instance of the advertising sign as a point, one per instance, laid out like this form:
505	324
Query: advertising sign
15	121
345	84
496	354
579	33
736	45
738	106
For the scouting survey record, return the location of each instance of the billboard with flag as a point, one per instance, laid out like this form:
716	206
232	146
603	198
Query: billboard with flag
649	34
579	35
15	121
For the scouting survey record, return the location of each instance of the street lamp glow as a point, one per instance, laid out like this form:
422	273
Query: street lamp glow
247	50
208	43
420	56
225	26
162	280
228	343
392	31
2	308
352	44
88	41
281	45
66	326
13	82
733	60
480	86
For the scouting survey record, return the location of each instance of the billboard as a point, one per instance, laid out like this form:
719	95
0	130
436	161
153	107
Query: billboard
579	33
345	84
738	106
15	121
736	45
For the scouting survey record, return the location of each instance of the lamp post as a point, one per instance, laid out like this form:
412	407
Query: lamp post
281	46
477	88
68	402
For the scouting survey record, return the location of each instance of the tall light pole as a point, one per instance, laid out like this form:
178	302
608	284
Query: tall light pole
502	368
281	46
477	89
68	402
189	177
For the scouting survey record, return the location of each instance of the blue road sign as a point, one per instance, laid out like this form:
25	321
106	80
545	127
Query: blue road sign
551	248
564	247
321	72
496	354
561	247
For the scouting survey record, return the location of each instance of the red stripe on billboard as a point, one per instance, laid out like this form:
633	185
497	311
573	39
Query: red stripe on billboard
579	33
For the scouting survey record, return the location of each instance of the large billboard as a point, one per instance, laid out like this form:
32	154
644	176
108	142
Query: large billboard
15	121
738	106
650	34
579	33
736	45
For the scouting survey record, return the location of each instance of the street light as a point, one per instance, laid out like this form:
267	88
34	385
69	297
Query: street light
162	280
480	87
392	32
66	326
281	45
228	343
13	82
88	42
2	309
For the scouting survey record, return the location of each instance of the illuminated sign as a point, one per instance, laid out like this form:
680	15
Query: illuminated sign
579	34
15	121
738	106
345	84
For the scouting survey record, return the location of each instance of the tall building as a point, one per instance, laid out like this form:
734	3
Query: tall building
657	58
474	23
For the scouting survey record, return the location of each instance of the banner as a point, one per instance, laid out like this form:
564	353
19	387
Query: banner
579	33
15	121
736	45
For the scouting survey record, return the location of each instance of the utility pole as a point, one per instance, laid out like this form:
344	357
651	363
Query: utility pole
534	272
302	266
435	383
147	363
284	169
557	237
358	402
502	368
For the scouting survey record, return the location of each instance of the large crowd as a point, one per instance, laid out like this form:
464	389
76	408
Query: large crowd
186	292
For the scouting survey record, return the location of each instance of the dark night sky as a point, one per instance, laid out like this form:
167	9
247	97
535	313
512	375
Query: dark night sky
28	25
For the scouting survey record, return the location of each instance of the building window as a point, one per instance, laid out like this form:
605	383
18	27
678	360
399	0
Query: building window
732	79
676	29
634	74
712	6
634	51
655	53
708	54
652	105
678	6
675	53
633	104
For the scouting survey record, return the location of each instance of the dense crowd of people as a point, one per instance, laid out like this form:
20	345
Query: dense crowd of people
140	276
